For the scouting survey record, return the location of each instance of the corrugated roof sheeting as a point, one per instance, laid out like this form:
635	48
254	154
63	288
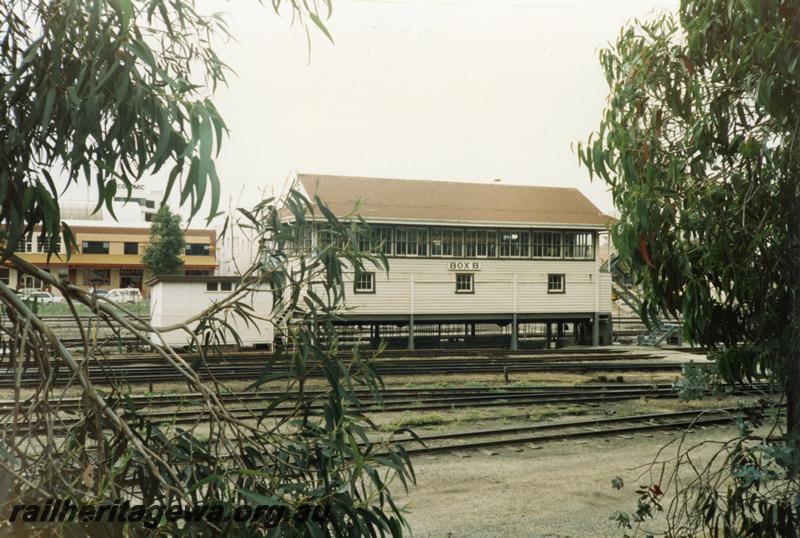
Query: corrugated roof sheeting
423	200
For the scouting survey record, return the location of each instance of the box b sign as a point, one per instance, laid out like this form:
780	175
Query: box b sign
464	266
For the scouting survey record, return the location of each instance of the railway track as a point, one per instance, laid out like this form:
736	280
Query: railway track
574	429
144	400
244	357
151	369
182	409
148	374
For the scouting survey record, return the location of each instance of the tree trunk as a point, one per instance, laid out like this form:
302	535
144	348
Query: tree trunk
793	383
793	357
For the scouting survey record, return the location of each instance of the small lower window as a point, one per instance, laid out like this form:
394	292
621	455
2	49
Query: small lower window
365	283
555	284
225	286
212	286
465	283
97	277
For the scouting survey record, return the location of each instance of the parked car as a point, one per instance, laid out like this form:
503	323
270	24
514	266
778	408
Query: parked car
99	291
27	291
125	295
43	297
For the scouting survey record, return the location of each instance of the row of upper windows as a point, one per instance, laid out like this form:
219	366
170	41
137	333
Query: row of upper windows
32	243
130	247
465	283
476	243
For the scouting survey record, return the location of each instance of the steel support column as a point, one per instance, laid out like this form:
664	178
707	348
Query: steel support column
514	332
411	332
548	335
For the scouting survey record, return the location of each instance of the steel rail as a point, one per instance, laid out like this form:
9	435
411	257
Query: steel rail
156	374
399	353
646	422
143	400
182	416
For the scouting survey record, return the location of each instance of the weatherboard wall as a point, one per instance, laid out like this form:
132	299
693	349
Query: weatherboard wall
501	286
175	302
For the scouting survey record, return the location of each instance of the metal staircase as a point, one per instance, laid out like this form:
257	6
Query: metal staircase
660	334
663	331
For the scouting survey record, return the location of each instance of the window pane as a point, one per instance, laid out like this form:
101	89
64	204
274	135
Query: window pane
385	237
44	245
94	247
436	242
27	243
447	243
458	243
464	282
569	245
505	244
546	244
491	244
470	243
364	241
197	249
510	244
365	282
97	277
480	241
411	242
422	242
330	239
579	245
524	244
555	283
400	243
306	241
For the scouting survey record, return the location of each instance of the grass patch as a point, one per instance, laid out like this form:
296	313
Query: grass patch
471	415
414	421
476	385
522	383
429	385
62	309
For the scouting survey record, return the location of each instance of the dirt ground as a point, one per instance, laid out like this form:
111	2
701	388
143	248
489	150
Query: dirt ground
561	489
557	489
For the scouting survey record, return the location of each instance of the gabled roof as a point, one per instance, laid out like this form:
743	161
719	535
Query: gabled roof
454	202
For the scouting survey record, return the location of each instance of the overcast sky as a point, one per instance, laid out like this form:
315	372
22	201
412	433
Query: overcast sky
418	89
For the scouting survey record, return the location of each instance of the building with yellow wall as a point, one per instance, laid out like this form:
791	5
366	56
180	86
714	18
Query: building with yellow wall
110	255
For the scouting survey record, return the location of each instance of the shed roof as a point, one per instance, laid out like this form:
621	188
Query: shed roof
457	202
191	279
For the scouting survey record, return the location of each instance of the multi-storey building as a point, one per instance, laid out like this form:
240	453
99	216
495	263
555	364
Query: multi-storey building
109	256
467	253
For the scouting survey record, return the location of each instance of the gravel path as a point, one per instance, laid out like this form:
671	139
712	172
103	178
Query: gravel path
560	489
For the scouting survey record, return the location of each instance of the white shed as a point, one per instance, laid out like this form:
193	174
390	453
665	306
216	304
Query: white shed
176	298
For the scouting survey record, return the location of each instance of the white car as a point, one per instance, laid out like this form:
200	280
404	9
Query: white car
124	295
27	291
99	291
43	297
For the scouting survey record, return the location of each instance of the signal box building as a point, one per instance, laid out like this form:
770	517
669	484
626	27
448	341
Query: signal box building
462	254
